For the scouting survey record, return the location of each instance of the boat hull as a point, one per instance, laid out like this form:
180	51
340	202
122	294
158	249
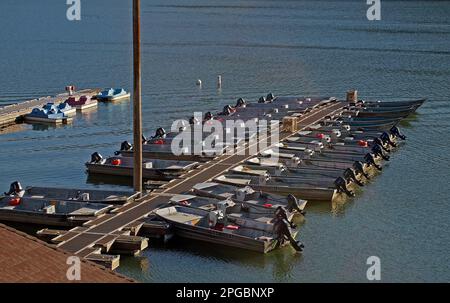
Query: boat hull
114	98
31	218
31	119
305	193
150	174
168	156
65	194
71	112
396	114
86	106
222	238
415	103
309	194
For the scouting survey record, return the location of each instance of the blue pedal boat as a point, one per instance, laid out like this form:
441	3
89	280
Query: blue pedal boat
63	107
43	115
113	94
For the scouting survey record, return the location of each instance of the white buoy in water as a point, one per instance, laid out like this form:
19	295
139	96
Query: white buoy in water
219	81
199	82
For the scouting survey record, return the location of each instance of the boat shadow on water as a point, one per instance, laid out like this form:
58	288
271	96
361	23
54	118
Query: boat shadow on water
99	179
46	126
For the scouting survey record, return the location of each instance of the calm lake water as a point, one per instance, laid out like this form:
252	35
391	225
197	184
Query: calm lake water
287	47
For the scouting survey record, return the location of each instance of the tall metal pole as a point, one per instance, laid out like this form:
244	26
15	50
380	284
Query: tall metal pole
137	122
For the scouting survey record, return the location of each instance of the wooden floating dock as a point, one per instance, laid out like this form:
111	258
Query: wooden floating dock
13	113
120	232
107	250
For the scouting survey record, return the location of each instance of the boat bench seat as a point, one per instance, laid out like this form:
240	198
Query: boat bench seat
49	209
245	216
84	211
114	197
148	165
8	207
208	207
185	218
37	196
256	202
264	220
175	166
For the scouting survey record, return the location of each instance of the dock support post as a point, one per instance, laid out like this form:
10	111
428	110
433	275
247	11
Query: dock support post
137	121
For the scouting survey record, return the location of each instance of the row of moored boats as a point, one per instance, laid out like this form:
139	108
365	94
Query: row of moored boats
256	204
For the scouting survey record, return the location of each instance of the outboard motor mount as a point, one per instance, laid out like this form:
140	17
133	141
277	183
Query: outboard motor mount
227	110
294	205
160	133
126	146
15	188
144	139
281	228
370	160
386	139
208	116
341	186
96	158
359	168
349	174
193	120
380	143
396	132
82	196
270	97
378	151
241	102
280	212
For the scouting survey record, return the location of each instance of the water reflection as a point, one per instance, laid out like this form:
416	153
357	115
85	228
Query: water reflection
14	128
284	261
281	261
99	179
142	262
47	126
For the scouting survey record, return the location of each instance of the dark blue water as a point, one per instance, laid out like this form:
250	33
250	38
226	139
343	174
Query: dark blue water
287	47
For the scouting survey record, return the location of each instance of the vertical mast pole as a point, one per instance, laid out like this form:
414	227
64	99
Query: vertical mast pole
137	121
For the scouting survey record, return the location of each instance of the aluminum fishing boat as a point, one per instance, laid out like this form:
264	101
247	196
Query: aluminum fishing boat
49	212
217	227
153	169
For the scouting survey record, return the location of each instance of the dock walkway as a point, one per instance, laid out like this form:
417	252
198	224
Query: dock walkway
81	242
12	113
